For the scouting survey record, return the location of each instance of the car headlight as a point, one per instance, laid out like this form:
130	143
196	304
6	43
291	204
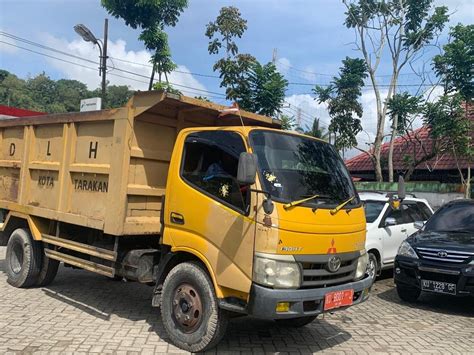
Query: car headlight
276	273
362	264
405	249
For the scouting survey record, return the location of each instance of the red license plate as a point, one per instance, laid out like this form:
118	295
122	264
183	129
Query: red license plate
338	299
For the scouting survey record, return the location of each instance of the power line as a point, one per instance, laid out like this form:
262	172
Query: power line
118	69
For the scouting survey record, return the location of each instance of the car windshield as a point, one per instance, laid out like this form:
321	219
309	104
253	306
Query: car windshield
452	218
293	167
372	210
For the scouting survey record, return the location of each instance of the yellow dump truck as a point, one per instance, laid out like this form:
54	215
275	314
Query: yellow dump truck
221	215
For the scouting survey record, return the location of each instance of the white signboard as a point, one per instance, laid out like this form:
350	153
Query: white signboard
92	104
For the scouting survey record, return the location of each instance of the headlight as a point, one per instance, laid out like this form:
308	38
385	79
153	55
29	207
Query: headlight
362	265
276	273
405	249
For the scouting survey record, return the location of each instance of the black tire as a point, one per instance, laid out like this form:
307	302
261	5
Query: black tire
23	259
408	294
373	267
211	322
295	322
48	271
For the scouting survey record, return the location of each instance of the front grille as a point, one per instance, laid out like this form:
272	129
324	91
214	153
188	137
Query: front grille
451	256
317	274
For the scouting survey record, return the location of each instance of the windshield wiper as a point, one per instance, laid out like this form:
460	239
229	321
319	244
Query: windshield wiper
341	205
299	202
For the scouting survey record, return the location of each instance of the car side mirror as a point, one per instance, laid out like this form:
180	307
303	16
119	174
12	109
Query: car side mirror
419	224
390	221
247	169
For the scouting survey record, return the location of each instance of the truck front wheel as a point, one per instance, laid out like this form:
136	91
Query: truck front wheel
189	309
23	259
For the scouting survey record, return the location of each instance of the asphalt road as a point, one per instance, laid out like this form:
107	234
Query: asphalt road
84	312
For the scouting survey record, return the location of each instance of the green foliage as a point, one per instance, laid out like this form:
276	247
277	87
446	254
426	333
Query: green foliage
287	122
447	120
455	65
342	97
317	131
263	90
161	86
46	95
228	25
404	106
202	98
152	16
255	87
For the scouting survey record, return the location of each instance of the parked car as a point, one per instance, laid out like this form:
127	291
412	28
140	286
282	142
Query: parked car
387	228
440	256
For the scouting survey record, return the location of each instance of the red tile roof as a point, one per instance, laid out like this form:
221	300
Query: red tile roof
417	143
7	111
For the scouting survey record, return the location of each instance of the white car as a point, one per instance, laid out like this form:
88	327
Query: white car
388	228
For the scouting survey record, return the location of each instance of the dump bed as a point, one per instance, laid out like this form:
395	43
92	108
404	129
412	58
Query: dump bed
103	169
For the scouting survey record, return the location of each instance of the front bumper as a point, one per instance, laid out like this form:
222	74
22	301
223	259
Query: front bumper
410	272
303	302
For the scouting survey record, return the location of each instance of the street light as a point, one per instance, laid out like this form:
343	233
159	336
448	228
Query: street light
88	36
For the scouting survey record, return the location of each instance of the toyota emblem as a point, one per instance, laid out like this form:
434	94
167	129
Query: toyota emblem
442	254
334	263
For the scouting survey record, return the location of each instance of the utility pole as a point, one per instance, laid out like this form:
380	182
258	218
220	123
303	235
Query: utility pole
104	62
298	118
88	36
274	56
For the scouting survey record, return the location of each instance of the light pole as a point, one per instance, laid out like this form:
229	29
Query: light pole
88	36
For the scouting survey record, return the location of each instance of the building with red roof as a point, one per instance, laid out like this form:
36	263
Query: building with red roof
415	152
11	112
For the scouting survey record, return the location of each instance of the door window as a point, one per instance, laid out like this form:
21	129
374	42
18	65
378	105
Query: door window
210	163
399	215
414	212
425	211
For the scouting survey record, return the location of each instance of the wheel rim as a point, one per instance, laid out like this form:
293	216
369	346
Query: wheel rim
16	259
371	269
187	308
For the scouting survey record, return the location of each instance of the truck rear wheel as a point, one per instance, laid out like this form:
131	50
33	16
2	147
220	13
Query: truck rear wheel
295	322
48	271
189	309
23	259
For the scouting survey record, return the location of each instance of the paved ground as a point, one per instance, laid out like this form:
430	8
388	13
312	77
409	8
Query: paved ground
83	312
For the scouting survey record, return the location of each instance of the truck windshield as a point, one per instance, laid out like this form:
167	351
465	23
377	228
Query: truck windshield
293	167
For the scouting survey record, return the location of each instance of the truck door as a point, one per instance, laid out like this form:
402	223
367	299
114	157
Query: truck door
206	209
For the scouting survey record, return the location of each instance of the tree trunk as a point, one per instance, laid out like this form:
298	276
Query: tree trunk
390	150
152	77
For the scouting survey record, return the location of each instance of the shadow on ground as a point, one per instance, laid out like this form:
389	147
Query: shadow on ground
460	306
107	299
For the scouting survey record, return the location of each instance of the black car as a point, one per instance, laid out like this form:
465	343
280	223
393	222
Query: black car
439	257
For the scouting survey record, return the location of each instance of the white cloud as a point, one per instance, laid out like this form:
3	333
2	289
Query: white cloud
460	10
310	109
122	65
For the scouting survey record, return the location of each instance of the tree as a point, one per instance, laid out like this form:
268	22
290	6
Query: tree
405	27
317	130
255	87
263	91
152	16
287	122
402	108
342	97
448	117
43	94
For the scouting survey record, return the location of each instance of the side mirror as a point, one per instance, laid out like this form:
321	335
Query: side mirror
390	221
419	224
247	170
268	205
401	188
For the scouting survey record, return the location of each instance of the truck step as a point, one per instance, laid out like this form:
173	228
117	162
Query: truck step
80	247
81	263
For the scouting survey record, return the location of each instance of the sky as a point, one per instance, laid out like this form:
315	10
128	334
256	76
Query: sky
308	35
